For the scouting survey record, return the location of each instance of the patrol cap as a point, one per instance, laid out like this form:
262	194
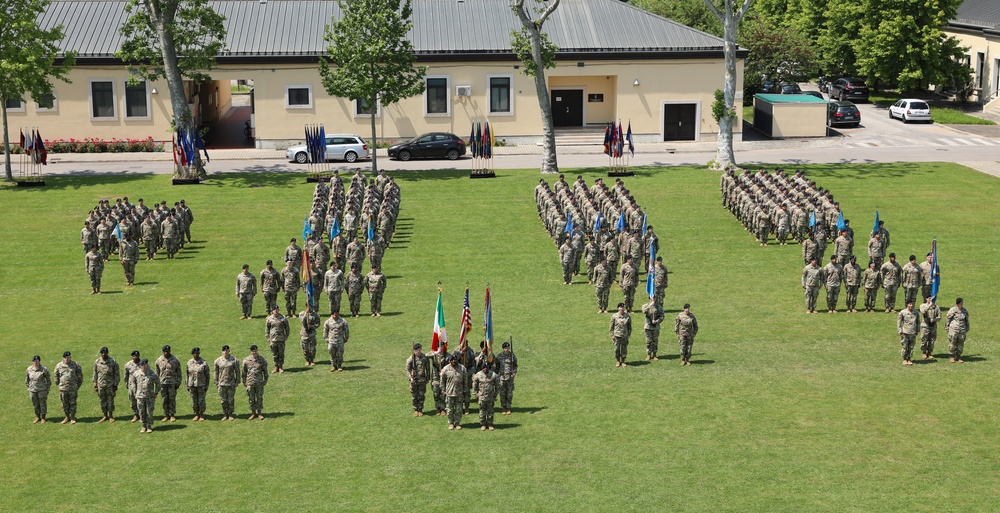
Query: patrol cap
892	255
293	239
659	259
36	358
621	305
104	349
225	347
454	357
687	305
166	347
269	262
144	362
253	347
854	258
246	266
196	350
135	353
485	365
506	345
417	346
182	202
65	354
913	257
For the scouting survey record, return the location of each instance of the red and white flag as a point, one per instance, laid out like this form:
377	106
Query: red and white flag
440	338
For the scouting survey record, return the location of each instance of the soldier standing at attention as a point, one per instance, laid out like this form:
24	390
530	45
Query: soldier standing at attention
891	274
812	276
957	324
336	333
290	284
107	376
168	231
852	280
686	327
375	247
611	256
38	380
912	280
566	260
276	332
621	330
842	247
875	249
147	386
439	360
375	282
871	281
833	275
453	383
246	289
591	256
485	385
467	359
333	283
150	235
69	378
270	283
88	238
629	280
129	256
94	266
293	253
602	284
254	379
355	287
654	316
355	254
168	369
227	376
809	249
925	270
659	280
506	366
310	322
188	217
130	367
931	314
418	370
908	325
198	376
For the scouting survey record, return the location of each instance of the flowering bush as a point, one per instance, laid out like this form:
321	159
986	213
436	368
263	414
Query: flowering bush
94	145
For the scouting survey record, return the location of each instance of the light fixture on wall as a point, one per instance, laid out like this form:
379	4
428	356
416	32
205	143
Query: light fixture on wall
636	83
153	91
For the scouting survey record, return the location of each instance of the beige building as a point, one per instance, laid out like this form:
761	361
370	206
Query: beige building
977	27
616	62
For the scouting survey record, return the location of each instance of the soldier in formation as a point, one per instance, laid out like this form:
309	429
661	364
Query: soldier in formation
333	284
686	327
129	256
957	324
270	284
833	276
453	386
852	281
147	387
485	385
871	280
310	322
912	279
107	376
130	367
254	379
276	332
227	376
908	325
69	378
168	370
621	330
930	315
355	283
246	289
890	273
38	379
812	277
654	317
375	283
198	376
336	333
94	266
506	367
290	283
418	370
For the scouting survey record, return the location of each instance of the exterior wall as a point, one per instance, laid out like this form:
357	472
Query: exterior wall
989	46
799	120
277	124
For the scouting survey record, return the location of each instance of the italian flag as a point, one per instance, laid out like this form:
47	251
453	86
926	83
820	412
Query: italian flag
440	335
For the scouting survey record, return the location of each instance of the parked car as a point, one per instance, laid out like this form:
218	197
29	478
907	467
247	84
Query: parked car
348	147
429	146
910	110
789	88
842	113
849	89
814	93
769	86
823	82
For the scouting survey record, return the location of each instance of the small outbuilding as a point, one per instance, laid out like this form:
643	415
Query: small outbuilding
789	115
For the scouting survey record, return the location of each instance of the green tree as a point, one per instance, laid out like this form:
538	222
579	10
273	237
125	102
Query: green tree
693	13
28	57
777	52
173	39
729	16
373	58
536	52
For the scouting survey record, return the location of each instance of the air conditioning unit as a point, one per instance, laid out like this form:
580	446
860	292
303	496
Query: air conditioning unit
463	90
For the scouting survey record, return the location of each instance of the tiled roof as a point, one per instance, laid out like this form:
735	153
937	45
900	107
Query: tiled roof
979	13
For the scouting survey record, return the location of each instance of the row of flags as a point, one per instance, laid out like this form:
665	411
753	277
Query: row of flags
439	339
615	140
186	144
481	140
34	147
316	143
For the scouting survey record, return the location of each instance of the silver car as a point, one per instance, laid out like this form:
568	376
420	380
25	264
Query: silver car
347	147
910	110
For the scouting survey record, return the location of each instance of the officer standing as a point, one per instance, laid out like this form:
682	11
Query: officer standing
310	322
957	324
227	376
147	386
654	316
506	366
254	379
198	376
246	289
276	332
418	370
453	382
168	369
336	333
485	385
621	330
107	376
38	380
930	314
69	378
130	367
686	327
270	283
908	325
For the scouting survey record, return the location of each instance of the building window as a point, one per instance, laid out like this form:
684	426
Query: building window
136	100
363	110
501	94
436	99
298	97
102	100
14	105
46	102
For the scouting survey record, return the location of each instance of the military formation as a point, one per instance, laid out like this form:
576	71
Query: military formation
121	227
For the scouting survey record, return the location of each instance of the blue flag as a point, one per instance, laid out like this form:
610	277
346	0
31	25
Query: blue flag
643	224
306	229
597	224
322	144
935	272
841	225
335	229
650	288
569	224
118	232
875	229
311	294
812	219
621	223
371	230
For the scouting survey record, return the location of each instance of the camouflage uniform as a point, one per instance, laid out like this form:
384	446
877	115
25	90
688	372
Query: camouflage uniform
290	283
908	325
418	369
928	280
566	259
169	372
891	273
150	234
602	284
355	254
336	333
439	360
485	385
621	330
852	280
270	283
246	289
198	377
310	322
333	283
506	366
254	379
129	256
69	378
453	383
147	386
375	282
95	268
355	287
957	324
870	281
467	359
660	280
686	327
912	280
629	280
107	376
276	332
227	376
38	382
930	314
833	275
812	276
654	316
130	367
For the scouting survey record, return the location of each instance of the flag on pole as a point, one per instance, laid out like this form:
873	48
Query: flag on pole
607	140
118	232
306	274
488	325
841	225
22	142
371	229
875	229
569	224
487	140
29	143
621	223
812	219
41	154
335	229
473	143
643	224
935	272
440	337
306	229
466	325
597	224
322	143
200	144
650	287
631	142
173	143
620	149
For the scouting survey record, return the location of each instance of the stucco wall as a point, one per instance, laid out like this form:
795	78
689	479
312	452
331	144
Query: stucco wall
799	120
990	47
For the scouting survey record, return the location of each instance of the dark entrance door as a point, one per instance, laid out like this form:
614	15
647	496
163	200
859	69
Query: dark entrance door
567	107
679	121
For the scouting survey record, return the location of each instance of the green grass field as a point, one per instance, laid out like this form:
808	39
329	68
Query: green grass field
783	411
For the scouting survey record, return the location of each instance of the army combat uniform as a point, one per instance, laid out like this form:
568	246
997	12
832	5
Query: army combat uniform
930	315
310	322
908	325
69	377
197	384
168	369
270	283
107	376
246	289
355	287
654	316
276	332
453	382
957	324
418	369
147	386
686	327
38	381
336	333
621	330
375	283
485	385
254	379
227	376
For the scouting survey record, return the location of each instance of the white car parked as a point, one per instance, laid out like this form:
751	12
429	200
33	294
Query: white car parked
910	110
347	147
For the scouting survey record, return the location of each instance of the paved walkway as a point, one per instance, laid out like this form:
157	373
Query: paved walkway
988	167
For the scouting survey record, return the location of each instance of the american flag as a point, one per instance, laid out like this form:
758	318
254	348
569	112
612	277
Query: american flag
466	322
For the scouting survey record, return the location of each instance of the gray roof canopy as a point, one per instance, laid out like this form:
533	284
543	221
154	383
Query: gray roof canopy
440	28
979	13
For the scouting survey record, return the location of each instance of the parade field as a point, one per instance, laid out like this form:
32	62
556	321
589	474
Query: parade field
780	411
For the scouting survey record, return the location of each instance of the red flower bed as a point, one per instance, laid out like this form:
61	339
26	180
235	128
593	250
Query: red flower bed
95	145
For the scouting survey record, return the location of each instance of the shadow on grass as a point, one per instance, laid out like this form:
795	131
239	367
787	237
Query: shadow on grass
295	370
924	362
159	426
391	314
973	359
105	292
278	414
83	178
501	427
702	362
138	283
355	367
528	409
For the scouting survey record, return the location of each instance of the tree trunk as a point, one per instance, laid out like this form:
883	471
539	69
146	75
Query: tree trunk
549	164
724	155
374	107
8	175
175	85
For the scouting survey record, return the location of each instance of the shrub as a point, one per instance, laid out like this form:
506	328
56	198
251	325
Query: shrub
95	145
